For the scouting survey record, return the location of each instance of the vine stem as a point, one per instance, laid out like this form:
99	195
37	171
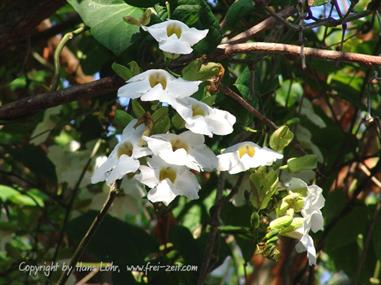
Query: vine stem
57	63
89	234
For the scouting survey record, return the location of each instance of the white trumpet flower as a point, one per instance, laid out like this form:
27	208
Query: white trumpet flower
124	158
167	181
312	218
157	84
175	37
202	119
186	149
246	155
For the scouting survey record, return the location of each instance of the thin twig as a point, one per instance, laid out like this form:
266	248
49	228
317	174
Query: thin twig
89	234
236	97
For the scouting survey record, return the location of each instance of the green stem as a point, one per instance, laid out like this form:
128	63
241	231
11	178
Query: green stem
57	64
168	6
376	275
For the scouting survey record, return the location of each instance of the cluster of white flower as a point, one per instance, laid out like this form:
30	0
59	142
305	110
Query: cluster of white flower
174	158
168	171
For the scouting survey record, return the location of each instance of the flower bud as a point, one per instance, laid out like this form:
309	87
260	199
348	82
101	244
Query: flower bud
295	224
281	222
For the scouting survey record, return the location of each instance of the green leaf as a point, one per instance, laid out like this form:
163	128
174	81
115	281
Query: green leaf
236	11
121	119
137	109
32	198
7	192
281	138
105	19
306	162
197	13
265	185
288	93
178	122
126	72
196	70
242	83
308	111
161	121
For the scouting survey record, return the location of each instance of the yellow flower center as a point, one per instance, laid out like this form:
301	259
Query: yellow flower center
178	144
167	172
174	29
197	110
246	149
157	78
126	148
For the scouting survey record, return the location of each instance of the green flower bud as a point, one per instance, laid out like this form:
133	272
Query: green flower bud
295	224
281	222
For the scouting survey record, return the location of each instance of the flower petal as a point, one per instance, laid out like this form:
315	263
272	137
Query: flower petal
198	125
228	161
156	145
316	221
180	88
192	35
163	192
157	31
124	166
204	157
153	94
306	243
187	185
192	138
265	156
221	122
100	173
134	90
175	45
147	176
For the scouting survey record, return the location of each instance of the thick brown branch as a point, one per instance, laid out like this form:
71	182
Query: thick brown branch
31	105
227	50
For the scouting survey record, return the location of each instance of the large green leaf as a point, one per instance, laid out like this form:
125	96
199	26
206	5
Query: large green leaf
236	11
105	18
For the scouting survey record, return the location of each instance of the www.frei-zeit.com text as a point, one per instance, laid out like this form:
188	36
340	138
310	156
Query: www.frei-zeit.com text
47	268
